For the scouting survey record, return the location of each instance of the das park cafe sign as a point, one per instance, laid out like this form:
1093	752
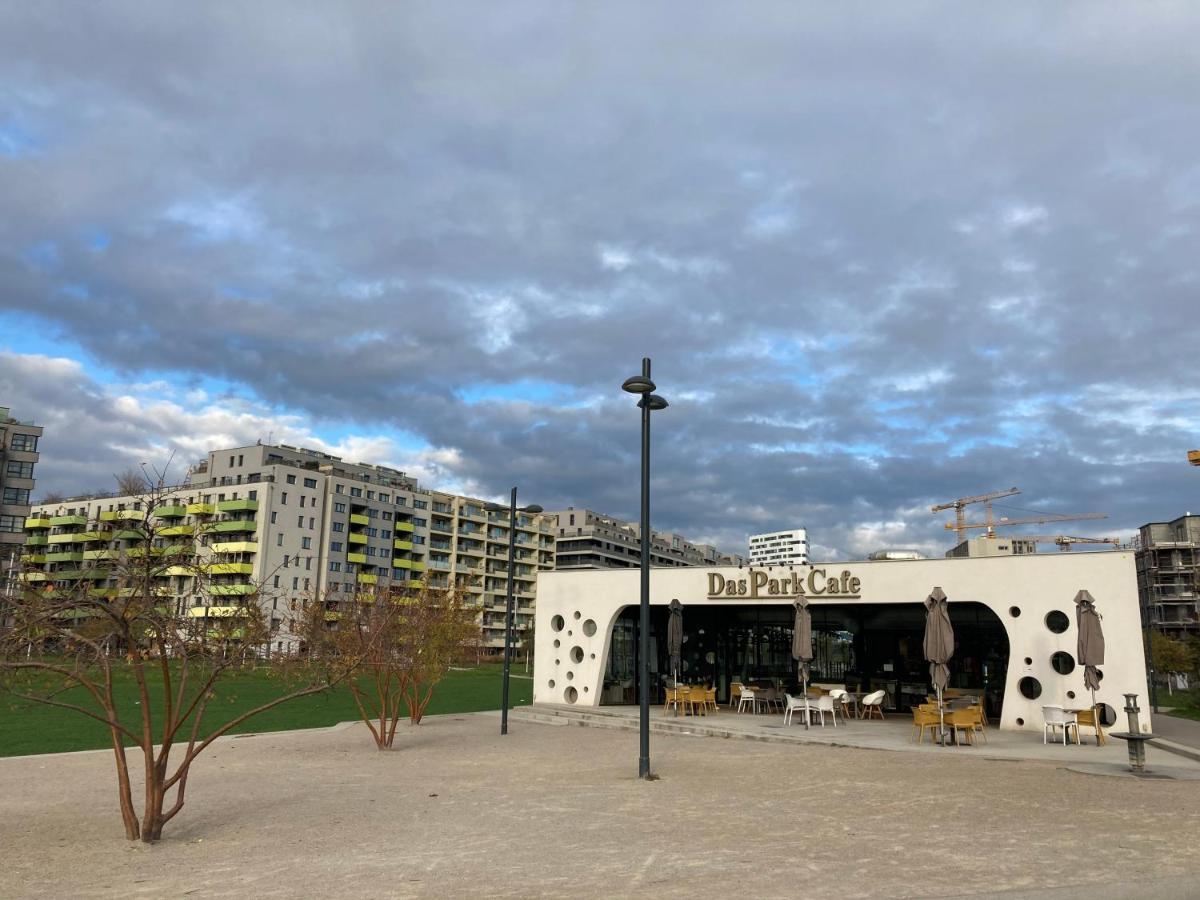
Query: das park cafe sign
759	585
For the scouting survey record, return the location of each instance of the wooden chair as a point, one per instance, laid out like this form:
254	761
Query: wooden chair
677	697
710	698
1088	719
923	717
698	700
735	692
961	721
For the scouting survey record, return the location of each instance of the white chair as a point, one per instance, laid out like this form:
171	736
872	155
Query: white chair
1057	717
747	698
825	705
873	702
792	704
841	700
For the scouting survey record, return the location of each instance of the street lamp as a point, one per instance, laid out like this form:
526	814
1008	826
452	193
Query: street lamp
648	402
508	603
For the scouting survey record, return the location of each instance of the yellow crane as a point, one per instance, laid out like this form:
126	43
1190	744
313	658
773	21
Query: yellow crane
960	519
1194	457
1031	520
1064	541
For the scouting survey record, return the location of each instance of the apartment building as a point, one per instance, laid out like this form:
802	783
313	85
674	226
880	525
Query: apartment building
1168	575
586	539
293	525
18	456
786	548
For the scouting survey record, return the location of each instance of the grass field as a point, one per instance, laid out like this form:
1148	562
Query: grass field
1184	704
27	728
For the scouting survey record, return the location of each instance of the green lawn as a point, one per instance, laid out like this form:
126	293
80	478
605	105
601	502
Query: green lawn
27	728
1185	704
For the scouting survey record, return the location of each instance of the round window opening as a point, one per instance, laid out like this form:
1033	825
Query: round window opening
1070	695
557	642
1020	721
1057	621
551	682
1030	687
577	654
1062	662
1014	611
578	614
558	623
1029	660
589	628
571	695
1108	715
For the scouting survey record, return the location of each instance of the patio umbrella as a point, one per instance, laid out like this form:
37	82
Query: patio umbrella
1090	648
939	646
675	642
802	650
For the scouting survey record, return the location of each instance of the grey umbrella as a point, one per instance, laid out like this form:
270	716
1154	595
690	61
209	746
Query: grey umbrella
675	642
802	650
939	645
1090	648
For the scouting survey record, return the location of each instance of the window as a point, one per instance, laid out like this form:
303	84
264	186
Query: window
276	581
339	526
572	522
370	495
335	546
286	560
299	521
273	517
305	543
311	523
253	495
306	584
383	498
310	482
371	551
11	524
291	479
16	469
302	499
419	523
335	567
420	504
372	514
279	539
17	496
355	492
231	462
372	532
385	534
295	582
339	507
25	442
387	516
283	498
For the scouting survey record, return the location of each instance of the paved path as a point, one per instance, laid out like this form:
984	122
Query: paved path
1181	731
457	811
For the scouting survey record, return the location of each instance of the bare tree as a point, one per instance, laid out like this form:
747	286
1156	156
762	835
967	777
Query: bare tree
78	633
53	497
134	482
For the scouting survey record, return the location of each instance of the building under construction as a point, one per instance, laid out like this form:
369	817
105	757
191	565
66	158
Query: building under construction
1168	569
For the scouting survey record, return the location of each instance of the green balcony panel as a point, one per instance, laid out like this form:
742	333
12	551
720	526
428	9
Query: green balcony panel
32	576
417	566
217	612
200	509
233	525
229	506
401	563
176	530
34	559
36	540
62	538
231	568
356	519
359	558
105	592
402	526
368	579
109	515
71	556
176	550
37	522
129	534
356	538
232	590
59	521
177	570
402	545
85	536
130	515
171	511
235	547
100	554
66	575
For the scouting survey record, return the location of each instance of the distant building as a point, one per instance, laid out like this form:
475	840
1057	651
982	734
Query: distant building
893	555
993	546
779	548
18	456
585	539
1168	567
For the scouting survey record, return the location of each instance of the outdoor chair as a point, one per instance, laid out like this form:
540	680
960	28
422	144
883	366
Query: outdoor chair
697	700
825	705
1057	717
978	720
746	697
923	717
872	704
710	698
1087	718
791	704
841	700
961	721
673	699
735	691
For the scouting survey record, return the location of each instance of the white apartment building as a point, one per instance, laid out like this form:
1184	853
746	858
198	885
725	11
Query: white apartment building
788	548
293	525
590	540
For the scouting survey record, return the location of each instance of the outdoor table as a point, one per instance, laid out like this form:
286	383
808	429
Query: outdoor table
1101	740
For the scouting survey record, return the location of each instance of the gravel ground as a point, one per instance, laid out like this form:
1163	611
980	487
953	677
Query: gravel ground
457	811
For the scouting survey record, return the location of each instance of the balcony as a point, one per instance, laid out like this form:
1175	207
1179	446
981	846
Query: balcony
402	545
76	556
368	579
36	540
398	563
128	534
32	576
176	550
218	612
232	525
33	559
236	547
358	519
402	526
176	570
62	521
232	506
359	558
231	590
176	530
200	509
37	522
231	568
356	538
171	511
129	515
100	554
443	527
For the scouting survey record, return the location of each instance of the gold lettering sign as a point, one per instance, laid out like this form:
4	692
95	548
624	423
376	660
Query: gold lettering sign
819	582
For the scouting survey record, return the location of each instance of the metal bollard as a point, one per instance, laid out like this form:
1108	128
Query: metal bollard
1137	748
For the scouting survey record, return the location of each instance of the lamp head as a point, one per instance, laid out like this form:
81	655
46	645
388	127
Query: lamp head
638	384
532	508
653	401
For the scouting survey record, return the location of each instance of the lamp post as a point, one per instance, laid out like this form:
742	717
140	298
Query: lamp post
508	602
648	402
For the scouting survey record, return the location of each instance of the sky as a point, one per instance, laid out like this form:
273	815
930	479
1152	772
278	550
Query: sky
881	255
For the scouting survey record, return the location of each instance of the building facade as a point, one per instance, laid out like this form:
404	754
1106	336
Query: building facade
586	539
18	458
291	526
1168	573
1013	618
778	548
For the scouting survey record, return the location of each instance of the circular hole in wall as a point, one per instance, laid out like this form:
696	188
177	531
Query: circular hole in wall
577	654
557	642
1100	674
593	656
570	695
1062	662
569	633
1014	611
589	627
578	614
1029	660
1030	687
557	661
551	682
1108	715
585	688
558	623
1020	721
570	676
1070	695
1057	621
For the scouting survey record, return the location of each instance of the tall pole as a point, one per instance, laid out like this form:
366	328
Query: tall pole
508	611
644	621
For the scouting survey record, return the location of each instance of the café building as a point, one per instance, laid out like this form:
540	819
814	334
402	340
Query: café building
1013	617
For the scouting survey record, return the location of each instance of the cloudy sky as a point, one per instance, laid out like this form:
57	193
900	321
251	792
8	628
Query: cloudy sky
882	256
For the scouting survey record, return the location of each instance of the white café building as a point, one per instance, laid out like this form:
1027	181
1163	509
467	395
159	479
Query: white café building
1013	617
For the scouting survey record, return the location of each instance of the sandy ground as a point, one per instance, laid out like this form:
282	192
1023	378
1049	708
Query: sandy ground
457	811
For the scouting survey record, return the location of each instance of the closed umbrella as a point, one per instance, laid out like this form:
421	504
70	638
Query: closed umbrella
939	646
675	643
1090	648
802	650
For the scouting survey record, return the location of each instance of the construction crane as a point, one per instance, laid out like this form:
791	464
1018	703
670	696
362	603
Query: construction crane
1194	457
1064	541
1032	520
960	519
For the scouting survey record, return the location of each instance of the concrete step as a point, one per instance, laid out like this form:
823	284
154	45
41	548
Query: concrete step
1178	749
691	726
